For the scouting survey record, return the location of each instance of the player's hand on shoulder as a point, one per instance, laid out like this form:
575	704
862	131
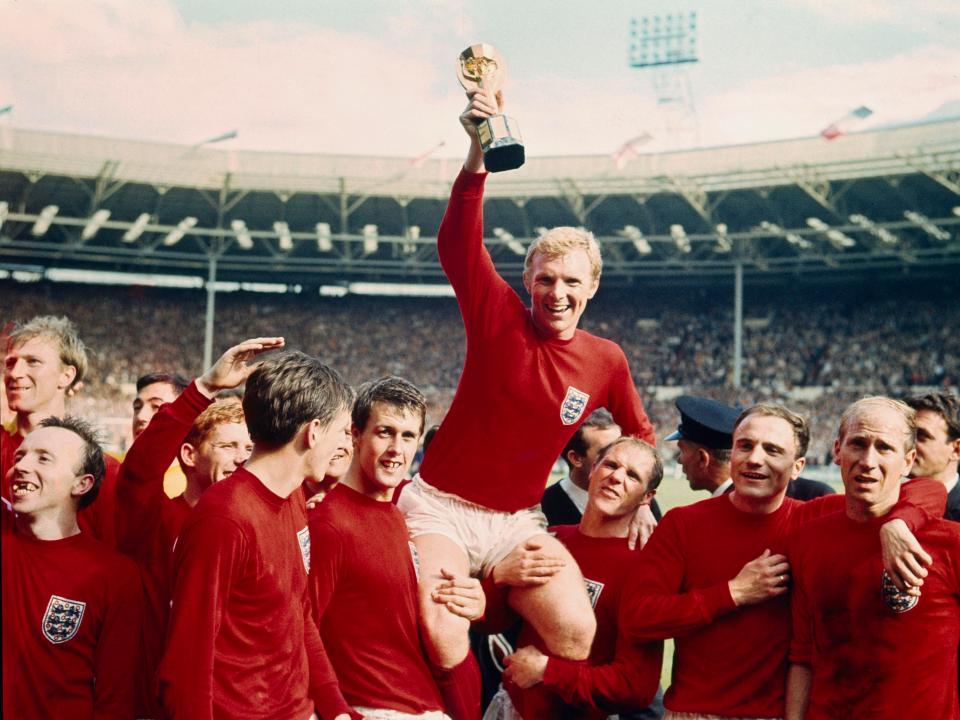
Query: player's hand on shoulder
762	578
642	526
527	564
904	558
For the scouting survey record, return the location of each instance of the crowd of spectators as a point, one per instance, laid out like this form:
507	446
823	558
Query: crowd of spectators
846	346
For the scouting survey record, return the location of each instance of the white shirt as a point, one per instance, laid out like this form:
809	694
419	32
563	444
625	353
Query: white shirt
575	493
952	484
723	488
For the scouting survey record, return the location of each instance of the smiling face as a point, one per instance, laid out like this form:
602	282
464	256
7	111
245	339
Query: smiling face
44	479
224	449
763	460
385	447
872	453
35	379
618	483
559	287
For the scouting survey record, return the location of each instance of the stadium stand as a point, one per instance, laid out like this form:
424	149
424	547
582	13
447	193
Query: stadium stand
816	347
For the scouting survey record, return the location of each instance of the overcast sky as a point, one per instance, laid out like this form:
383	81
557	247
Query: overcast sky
377	76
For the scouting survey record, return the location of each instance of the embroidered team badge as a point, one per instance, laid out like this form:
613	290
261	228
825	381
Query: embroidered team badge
303	539
62	619
895	599
594	589
573	405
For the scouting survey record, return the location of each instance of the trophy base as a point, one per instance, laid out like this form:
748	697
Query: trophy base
501	143
508	156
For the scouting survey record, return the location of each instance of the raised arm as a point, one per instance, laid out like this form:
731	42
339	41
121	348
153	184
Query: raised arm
140	485
625	405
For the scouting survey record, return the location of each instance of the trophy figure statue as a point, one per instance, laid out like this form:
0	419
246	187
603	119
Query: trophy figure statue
481	67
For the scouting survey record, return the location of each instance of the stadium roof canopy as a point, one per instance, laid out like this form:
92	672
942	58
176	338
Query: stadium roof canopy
873	202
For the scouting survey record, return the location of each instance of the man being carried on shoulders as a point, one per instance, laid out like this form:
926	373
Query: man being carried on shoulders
529	379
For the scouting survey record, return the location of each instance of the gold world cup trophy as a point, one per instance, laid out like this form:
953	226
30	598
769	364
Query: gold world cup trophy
481	67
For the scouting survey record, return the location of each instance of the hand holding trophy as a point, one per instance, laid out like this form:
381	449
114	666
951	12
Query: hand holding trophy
480	67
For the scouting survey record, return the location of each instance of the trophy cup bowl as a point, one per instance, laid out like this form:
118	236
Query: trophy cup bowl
480	66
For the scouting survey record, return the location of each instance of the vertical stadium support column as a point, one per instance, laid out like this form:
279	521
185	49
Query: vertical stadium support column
211	303
738	323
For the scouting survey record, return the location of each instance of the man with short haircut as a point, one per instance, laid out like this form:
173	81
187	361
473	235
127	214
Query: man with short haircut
938	443
71	605
620	675
45	363
210	441
563	503
704	438
530	377
861	648
364	584
242	642
154	390
714	575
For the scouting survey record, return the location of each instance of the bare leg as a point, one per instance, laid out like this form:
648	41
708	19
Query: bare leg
446	634
560	610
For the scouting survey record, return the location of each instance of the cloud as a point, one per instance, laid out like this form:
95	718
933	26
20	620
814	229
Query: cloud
898	89
934	13
136	68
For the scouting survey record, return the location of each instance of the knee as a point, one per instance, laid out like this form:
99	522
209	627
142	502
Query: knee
574	638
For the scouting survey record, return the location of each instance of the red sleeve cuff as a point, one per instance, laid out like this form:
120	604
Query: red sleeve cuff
333	704
561	674
717	600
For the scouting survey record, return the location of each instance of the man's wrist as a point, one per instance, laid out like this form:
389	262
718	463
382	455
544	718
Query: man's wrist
205	387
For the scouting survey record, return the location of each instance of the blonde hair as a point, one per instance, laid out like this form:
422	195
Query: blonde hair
562	240
865	404
61	331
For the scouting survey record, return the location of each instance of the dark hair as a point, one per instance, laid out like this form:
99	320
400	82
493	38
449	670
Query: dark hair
656	472
91	460
178	382
391	390
801	429
944	404
721	455
600	419
289	390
